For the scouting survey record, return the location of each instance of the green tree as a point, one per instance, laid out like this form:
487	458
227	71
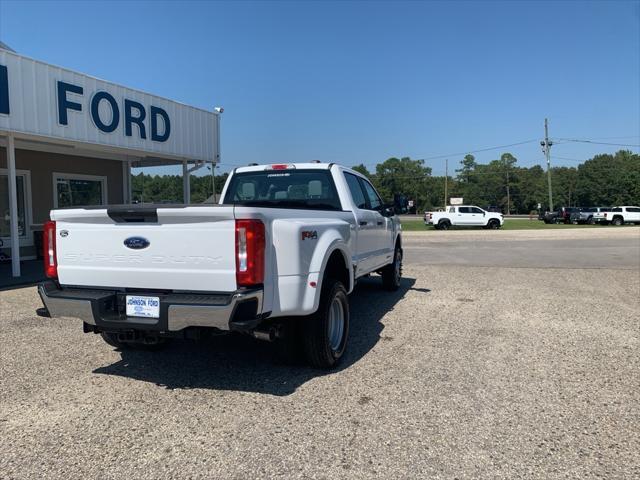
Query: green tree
609	180
363	170
509	162
465	173
531	189
403	176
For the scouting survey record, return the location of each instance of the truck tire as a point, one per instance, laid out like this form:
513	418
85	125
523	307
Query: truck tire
591	221
325	333
617	221
493	224
392	273
444	224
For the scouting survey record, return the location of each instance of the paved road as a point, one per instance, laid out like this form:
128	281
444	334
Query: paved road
469	371
575	248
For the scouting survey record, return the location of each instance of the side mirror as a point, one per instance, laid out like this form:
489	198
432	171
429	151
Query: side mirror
400	204
388	210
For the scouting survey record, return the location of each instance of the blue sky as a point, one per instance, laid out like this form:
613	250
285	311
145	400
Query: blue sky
358	82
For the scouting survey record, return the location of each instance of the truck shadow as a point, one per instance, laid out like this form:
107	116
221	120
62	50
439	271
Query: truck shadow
240	363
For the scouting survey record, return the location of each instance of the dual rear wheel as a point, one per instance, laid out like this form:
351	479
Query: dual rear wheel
322	337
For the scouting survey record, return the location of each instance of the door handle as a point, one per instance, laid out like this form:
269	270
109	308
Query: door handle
362	224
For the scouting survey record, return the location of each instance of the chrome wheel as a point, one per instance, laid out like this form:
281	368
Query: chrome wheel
336	324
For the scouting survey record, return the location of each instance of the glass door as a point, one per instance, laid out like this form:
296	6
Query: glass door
24	223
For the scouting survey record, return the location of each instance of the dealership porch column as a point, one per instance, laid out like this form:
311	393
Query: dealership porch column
186	184
13	206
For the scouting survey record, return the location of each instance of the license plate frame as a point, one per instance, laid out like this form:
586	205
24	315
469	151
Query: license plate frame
142	306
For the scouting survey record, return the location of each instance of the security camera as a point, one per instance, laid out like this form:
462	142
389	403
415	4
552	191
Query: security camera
219	109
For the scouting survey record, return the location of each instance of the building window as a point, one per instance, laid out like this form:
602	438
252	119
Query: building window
24	207
71	190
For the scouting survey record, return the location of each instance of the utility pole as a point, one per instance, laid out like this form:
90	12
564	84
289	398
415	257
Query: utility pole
508	197
546	149
216	161
446	177
213	180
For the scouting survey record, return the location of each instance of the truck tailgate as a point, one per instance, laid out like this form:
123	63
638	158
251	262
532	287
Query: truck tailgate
173	248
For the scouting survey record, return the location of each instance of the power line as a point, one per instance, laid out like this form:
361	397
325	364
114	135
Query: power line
444	156
497	147
578	140
568	158
614	138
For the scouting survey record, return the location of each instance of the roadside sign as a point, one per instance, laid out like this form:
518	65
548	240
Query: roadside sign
456	201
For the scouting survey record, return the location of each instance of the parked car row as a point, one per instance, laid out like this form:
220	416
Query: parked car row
593	215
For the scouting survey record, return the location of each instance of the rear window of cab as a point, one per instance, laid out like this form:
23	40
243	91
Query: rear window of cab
289	188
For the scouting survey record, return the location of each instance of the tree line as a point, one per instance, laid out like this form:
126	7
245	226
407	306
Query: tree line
604	180
147	188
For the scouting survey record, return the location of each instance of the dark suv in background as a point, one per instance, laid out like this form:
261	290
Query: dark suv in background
562	215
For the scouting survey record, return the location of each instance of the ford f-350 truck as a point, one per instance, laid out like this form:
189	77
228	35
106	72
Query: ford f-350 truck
275	259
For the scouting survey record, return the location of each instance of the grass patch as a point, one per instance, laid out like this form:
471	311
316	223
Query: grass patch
509	224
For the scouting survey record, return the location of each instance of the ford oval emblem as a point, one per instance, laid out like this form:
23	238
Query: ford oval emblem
136	243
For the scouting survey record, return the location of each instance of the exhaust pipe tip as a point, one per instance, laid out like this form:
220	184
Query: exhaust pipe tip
265	335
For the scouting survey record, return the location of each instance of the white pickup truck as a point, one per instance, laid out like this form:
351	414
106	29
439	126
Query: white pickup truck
620	216
276	260
464	216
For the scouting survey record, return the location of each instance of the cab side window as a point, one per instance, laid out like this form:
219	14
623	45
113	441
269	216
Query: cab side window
374	202
464	210
356	190
475	210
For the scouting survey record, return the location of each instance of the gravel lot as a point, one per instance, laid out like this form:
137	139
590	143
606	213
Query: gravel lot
494	360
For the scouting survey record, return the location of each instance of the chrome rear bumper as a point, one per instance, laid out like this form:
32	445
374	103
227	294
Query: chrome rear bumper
105	309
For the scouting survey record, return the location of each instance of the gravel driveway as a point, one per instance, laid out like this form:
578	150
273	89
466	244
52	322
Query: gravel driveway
472	370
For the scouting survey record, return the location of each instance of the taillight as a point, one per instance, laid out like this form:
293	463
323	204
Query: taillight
49	244
250	244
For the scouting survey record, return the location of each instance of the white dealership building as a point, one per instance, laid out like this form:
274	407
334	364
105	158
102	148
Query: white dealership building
68	140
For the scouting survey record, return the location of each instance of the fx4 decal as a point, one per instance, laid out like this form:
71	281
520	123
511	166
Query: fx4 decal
309	235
